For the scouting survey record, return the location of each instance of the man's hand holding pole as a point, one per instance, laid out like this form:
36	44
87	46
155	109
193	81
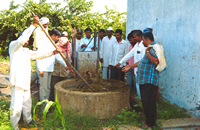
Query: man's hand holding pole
67	62
36	20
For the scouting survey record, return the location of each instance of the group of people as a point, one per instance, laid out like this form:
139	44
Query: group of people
20	72
116	56
139	61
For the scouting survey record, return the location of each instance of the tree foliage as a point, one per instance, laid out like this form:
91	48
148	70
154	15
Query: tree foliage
65	16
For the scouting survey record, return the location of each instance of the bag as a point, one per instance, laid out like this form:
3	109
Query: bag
160	54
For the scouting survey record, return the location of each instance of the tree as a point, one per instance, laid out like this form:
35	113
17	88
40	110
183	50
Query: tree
76	13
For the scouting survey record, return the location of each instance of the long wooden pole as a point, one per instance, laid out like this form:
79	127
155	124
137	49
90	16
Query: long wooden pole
74	48
67	62
98	51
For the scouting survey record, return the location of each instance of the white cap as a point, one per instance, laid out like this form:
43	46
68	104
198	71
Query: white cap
149	26
109	29
65	33
44	20
63	40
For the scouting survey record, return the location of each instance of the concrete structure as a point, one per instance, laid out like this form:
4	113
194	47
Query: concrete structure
102	105
87	64
176	25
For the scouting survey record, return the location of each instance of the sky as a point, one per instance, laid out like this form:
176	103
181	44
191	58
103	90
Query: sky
99	5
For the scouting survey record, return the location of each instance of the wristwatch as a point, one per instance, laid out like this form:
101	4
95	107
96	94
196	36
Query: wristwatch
147	51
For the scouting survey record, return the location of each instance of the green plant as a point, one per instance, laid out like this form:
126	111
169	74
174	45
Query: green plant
166	110
58	113
4	64
73	13
5	123
158	125
130	117
33	66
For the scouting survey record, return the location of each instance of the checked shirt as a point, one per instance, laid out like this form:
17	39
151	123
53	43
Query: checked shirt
146	70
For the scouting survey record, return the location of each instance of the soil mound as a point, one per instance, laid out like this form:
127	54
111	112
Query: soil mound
99	85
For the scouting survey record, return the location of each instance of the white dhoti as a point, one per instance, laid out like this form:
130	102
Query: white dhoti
106	73
20	103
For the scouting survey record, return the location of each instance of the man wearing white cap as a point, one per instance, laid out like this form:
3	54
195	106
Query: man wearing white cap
19	78
39	36
46	66
105	52
150	28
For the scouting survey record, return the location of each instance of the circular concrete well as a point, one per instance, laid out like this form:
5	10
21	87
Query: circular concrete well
110	98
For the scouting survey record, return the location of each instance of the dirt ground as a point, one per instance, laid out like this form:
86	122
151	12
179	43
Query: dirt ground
100	85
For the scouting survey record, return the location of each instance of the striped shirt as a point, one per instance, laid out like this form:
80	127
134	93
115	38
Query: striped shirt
146	70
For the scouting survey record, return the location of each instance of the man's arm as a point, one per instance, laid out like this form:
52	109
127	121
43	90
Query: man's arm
36	55
126	57
153	58
22	39
14	46
59	58
135	65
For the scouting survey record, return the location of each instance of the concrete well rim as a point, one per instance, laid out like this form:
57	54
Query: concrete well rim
58	86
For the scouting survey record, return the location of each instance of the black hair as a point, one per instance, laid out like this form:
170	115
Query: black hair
88	29
130	35
138	32
118	31
150	29
102	30
148	35
79	31
55	31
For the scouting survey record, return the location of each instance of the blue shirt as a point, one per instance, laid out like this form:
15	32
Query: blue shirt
85	40
146	70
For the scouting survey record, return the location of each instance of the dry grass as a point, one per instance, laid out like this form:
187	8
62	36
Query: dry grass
4	64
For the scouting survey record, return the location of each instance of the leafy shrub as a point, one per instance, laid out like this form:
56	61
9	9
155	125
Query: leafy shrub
75	13
5	123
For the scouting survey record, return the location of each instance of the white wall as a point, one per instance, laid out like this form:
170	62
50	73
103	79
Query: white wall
176	24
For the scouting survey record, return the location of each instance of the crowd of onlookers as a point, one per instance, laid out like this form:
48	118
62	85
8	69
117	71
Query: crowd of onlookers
117	56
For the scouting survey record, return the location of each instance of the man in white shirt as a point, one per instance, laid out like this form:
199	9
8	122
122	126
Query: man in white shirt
101	36
77	47
39	36
46	66
79	35
20	75
138	52
130	74
118	50
105	52
87	43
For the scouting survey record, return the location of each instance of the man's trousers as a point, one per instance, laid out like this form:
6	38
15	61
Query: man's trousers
45	86
131	80
54	80
148	97
20	103
116	73
106	73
